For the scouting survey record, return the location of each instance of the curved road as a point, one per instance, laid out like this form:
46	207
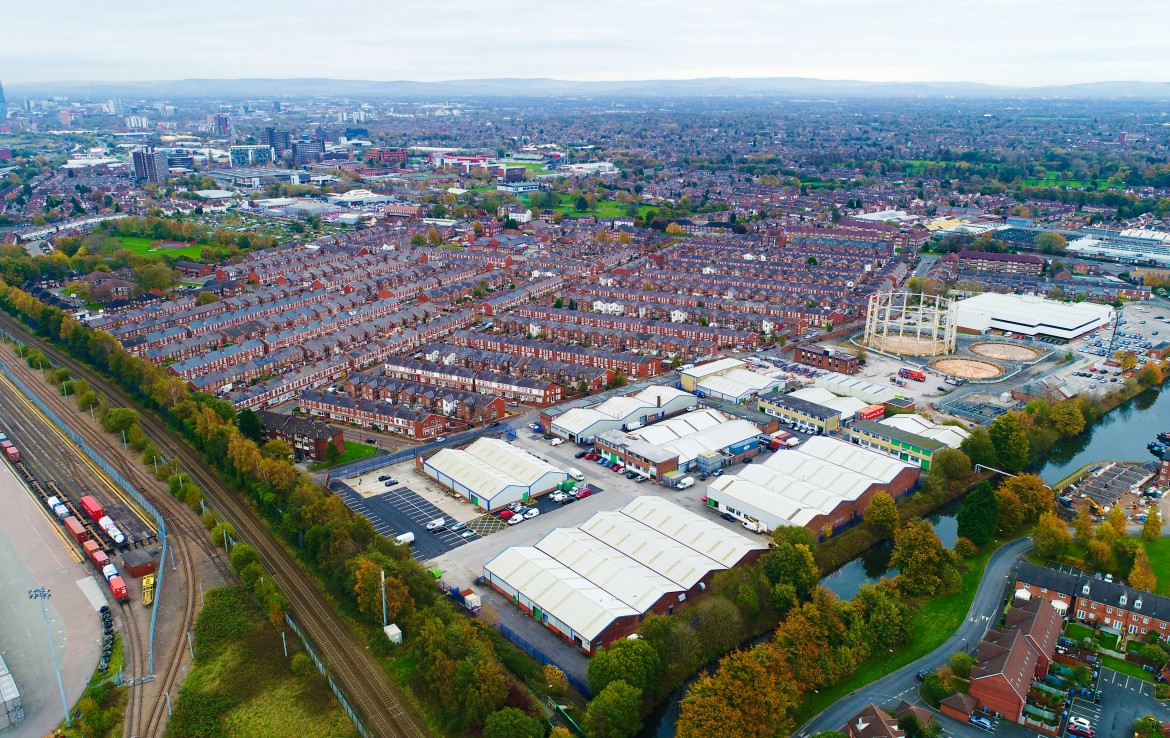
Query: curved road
902	683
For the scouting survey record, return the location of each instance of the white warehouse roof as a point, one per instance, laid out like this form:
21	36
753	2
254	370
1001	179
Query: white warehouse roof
842	482
631	582
841	384
491	467
1030	315
557	590
785	509
713	367
951	435
674	560
863	461
705	536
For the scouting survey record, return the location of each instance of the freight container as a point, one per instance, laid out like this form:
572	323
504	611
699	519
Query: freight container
75	529
89	547
109	571
100	559
3	436
11	452
51	502
92	508
872	412
119	588
61	512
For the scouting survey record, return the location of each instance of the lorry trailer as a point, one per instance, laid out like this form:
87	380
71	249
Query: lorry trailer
916	374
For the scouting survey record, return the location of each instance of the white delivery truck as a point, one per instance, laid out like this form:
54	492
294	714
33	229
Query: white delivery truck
576	474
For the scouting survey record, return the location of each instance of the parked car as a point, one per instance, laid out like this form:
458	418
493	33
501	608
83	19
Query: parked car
556	442
982	721
1080	732
437	524
516	507
580	454
458	527
441	439
590	456
718	472
1082	722
583	493
728	517
495	424
391	482
631	474
505	514
921	675
383	478
516	520
642	478
371	440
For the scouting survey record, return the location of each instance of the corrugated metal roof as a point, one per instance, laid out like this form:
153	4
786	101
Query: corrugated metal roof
630	581
703	535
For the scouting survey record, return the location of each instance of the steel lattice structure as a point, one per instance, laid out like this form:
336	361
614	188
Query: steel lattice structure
910	324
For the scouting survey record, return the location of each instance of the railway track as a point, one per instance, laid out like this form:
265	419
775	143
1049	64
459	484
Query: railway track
362	680
134	670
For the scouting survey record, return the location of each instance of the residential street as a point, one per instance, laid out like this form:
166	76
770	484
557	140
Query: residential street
902	684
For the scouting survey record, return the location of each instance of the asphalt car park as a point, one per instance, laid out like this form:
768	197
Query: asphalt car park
1124	700
400	510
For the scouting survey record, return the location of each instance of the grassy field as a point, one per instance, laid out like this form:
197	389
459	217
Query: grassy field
353	452
1159	553
142	245
241	684
935	621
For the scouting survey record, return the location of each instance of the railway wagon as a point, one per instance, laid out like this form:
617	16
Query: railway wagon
10	451
92	508
76	529
119	588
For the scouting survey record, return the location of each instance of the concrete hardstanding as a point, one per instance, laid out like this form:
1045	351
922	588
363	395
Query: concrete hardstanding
33	554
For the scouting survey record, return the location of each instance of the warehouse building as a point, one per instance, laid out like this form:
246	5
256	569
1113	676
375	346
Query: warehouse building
896	442
689	378
578	610
625	412
952	435
847	407
868	392
595	583
678	444
824	490
794	411
1030	315
633	583
492	474
737	385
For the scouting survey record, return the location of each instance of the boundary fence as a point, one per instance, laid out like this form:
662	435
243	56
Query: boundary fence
325	672
540	656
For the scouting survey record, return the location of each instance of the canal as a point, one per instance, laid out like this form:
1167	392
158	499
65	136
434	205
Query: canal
1121	435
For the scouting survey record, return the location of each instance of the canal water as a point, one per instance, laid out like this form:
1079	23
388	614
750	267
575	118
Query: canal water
1122	435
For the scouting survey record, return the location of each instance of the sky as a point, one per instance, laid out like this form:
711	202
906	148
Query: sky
1009	42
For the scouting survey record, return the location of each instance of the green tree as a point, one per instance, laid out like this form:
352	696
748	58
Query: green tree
1083	525
792	564
978	515
979	448
510	722
1050	243
634	661
925	566
961	663
951	463
250	427
1011	510
1010	441
882	513
615	712
1050	536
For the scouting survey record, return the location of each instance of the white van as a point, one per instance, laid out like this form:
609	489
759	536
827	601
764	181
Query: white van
685	483
404	539
437	524
576	474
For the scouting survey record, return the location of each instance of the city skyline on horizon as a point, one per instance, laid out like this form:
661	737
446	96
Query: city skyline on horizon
1006	43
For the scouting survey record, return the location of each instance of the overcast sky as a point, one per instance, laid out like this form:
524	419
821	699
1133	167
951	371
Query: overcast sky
1015	42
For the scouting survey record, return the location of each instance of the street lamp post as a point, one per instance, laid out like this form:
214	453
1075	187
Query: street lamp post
43	594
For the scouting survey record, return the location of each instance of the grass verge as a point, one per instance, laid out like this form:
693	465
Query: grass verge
143	246
932	624
1124	667
353	452
241	683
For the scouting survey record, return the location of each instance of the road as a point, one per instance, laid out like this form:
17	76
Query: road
902	683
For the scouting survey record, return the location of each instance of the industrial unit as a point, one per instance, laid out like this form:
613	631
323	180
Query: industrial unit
593	584
826	484
492	474
691	440
1030	315
794	411
628	412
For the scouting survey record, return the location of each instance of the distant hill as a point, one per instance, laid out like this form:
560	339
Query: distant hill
541	87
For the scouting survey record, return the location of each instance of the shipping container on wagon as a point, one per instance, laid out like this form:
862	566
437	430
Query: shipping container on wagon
73	525
10	451
92	508
90	547
119	588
